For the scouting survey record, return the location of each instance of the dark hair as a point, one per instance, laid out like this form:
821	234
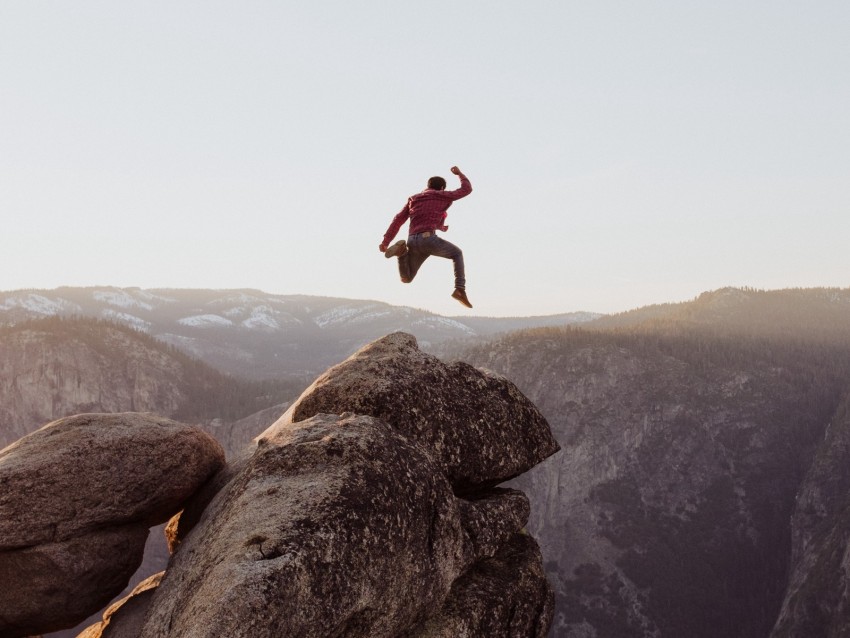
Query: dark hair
437	183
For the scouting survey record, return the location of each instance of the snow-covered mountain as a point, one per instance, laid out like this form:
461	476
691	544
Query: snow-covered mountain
256	334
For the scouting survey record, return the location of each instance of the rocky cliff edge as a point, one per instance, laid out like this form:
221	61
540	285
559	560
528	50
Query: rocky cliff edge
370	509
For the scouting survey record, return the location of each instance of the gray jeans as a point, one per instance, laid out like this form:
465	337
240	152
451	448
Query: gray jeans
419	248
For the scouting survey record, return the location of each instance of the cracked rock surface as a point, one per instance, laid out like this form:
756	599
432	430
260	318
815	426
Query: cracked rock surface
336	526
478	427
503	595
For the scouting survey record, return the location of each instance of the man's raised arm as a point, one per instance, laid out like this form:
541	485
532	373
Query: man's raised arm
465	187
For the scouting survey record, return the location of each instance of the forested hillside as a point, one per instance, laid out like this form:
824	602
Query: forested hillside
672	509
808	314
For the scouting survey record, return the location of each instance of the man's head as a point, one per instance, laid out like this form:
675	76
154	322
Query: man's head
437	183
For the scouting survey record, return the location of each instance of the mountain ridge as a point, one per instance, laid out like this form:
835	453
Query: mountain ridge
250	333
735	308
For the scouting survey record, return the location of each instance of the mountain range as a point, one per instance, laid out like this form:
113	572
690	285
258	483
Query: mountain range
701	489
252	334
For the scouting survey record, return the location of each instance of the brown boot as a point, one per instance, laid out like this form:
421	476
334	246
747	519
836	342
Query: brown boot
396	250
460	295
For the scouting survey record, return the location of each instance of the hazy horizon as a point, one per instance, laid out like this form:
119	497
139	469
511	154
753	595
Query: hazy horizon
621	155
458	315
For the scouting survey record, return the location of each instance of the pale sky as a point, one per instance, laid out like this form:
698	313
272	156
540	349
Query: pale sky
621	153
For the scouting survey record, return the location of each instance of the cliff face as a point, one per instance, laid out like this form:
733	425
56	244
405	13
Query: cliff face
45	375
668	511
817	600
54	368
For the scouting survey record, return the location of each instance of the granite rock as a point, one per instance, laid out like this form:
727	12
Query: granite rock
76	500
336	526
479	428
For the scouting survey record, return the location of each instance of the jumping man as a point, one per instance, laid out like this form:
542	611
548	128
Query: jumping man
427	214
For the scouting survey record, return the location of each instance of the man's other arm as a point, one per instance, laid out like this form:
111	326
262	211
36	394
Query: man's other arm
395	225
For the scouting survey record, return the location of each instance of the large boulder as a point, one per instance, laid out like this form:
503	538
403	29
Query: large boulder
504	596
56	585
77	498
92	470
478	427
336	526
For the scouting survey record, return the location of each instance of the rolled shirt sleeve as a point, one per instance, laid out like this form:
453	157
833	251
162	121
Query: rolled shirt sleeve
402	216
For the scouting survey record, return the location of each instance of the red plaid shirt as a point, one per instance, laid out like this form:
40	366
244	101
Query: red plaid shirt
427	210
